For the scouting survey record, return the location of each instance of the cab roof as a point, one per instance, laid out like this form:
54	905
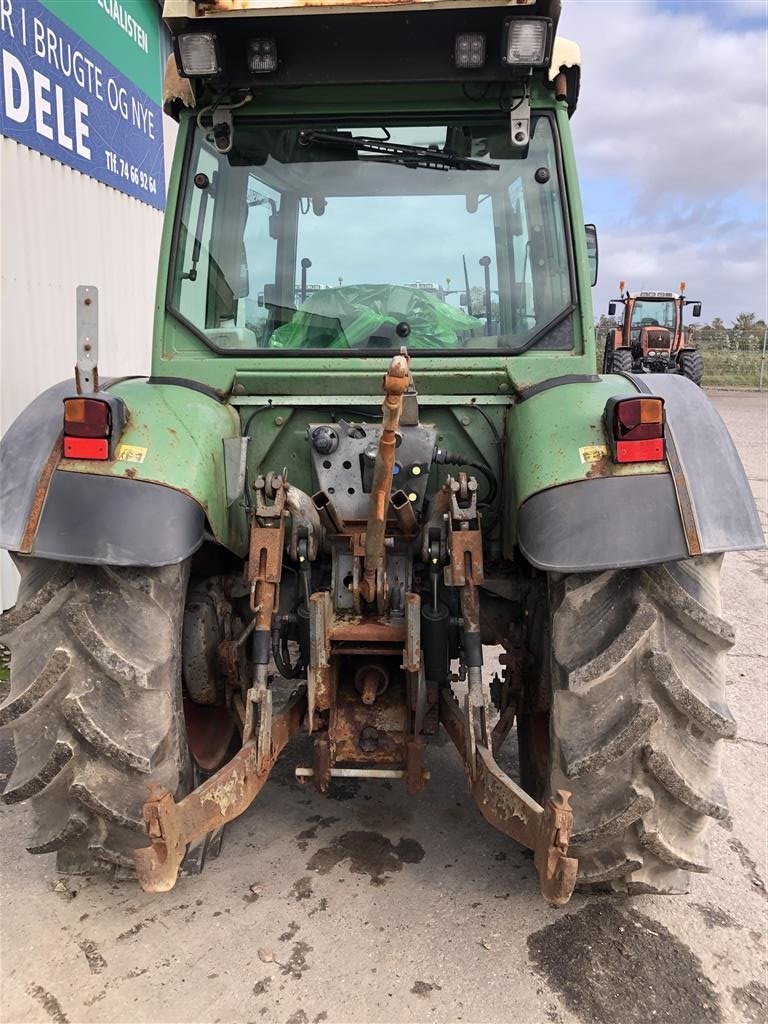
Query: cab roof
206	10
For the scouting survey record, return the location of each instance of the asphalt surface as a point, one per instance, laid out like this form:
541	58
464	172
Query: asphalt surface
372	906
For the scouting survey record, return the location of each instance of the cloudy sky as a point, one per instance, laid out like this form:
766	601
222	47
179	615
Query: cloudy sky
671	141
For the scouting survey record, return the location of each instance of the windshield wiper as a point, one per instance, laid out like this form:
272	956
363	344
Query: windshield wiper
396	152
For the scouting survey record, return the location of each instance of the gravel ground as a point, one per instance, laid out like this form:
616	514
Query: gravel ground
373	907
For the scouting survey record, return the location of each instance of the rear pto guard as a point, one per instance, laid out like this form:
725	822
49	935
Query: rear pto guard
367	629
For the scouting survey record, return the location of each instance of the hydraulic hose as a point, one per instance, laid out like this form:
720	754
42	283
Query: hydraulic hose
445	458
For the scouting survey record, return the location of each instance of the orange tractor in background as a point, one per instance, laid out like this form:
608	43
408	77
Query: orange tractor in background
652	337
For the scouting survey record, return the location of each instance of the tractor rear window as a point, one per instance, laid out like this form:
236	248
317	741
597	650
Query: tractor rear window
325	238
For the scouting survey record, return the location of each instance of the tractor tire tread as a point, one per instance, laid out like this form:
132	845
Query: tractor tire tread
692	365
94	706
638	720
621	361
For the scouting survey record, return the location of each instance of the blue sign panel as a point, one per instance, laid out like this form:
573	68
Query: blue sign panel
62	98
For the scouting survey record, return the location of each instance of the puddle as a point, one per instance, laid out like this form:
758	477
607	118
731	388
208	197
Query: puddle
368	853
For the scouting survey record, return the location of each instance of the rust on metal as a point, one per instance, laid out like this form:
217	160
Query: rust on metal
319	668
372	629
265	560
396	382
687	513
412	651
176	89
230	658
557	871
368	734
465	551
172	826
371	681
508	808
321	757
415	776
41	492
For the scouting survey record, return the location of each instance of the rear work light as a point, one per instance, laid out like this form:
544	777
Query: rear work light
262	56
526	41
635	428
469	51
92	426
198	54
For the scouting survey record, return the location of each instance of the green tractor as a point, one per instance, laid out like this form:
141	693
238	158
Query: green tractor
345	480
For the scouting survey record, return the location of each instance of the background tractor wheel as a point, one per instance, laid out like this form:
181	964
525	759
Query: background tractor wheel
608	357
637	721
95	705
621	361
692	365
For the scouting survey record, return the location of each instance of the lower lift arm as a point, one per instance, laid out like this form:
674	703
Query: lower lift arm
223	797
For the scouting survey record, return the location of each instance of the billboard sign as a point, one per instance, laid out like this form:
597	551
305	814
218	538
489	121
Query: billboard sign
81	82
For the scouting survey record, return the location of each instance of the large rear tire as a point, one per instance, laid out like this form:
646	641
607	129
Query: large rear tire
608	356
692	365
638	718
621	361
95	705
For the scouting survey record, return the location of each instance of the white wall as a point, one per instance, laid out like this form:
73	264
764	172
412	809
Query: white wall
59	229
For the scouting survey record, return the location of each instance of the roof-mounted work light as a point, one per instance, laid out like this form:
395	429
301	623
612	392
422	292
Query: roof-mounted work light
469	51
262	56
198	54
526	41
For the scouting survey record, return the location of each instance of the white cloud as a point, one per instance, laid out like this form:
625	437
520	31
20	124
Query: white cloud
722	261
749	8
668	102
673	111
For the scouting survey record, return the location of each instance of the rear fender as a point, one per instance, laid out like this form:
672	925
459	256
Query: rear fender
151	505
577	511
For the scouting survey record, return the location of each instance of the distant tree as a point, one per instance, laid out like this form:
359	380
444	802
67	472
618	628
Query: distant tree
717	324
744	321
745	334
604	324
477	295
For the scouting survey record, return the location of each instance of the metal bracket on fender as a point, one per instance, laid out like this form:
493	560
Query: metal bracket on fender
172	826
545	830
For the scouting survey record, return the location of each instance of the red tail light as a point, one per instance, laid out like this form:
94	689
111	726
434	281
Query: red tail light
636	428
91	426
86	417
86	448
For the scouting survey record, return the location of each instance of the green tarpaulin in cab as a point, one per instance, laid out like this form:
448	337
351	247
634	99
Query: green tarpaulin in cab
349	317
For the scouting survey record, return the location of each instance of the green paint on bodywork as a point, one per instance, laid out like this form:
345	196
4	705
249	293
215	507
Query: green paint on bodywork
547	430
183	432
